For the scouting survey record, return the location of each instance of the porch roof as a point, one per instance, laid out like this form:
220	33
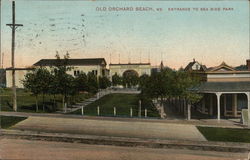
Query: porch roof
223	87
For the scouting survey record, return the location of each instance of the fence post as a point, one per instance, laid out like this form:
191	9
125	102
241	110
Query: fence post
114	111
82	111
98	110
131	112
139	112
146	113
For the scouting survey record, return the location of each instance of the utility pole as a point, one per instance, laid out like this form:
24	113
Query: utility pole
1	57
13	26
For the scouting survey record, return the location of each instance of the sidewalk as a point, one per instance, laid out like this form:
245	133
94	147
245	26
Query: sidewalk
129	129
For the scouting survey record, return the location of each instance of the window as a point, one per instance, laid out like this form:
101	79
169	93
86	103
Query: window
94	72
76	72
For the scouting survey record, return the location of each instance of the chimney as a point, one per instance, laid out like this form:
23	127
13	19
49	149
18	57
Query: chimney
248	64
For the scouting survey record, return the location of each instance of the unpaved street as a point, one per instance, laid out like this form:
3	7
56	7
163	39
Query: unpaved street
18	149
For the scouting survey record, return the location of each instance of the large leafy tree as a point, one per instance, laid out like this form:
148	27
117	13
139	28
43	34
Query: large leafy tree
62	82
168	84
130	79
104	82
92	83
38	82
81	81
116	80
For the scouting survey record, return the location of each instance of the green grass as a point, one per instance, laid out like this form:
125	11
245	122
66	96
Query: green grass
122	102
225	134
26	102
8	121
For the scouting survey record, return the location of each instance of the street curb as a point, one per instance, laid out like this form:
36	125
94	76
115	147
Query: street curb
128	142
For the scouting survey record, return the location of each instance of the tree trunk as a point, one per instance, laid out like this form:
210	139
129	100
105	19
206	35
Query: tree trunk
36	103
54	102
63	104
43	103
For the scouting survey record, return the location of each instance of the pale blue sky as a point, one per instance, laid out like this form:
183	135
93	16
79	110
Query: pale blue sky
178	36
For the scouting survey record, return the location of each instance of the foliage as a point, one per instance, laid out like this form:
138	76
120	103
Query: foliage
116	80
92	83
104	82
169	83
130	80
81	82
38	82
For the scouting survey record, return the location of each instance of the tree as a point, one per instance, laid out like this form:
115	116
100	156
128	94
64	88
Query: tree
30	84
81	81
92	83
38	82
116	80
62	81
104	82
130	79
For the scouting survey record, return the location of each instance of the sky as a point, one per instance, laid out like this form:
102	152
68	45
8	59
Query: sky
85	30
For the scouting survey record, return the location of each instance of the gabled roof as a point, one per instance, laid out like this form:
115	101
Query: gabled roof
73	62
190	65
222	67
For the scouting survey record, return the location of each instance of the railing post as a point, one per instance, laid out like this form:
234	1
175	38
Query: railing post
98	110
131	112
82	111
114	111
139	111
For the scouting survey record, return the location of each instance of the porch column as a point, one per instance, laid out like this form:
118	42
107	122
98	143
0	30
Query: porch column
218	94
211	105
234	106
248	108
225	105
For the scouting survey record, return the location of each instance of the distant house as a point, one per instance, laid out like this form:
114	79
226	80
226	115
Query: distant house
96	66
195	66
226	89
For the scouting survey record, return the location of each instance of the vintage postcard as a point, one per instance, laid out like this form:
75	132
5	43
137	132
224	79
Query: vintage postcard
125	79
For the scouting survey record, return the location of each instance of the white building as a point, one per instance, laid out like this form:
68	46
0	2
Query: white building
19	73
94	65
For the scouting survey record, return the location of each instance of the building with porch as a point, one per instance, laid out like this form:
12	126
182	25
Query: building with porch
226	90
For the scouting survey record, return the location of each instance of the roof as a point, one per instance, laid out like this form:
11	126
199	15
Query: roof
190	65
223	87
241	68
223	66
72	62
27	68
120	64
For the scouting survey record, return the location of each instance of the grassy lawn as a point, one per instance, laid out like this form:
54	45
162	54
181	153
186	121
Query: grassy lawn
122	102
8	121
225	134
26	102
